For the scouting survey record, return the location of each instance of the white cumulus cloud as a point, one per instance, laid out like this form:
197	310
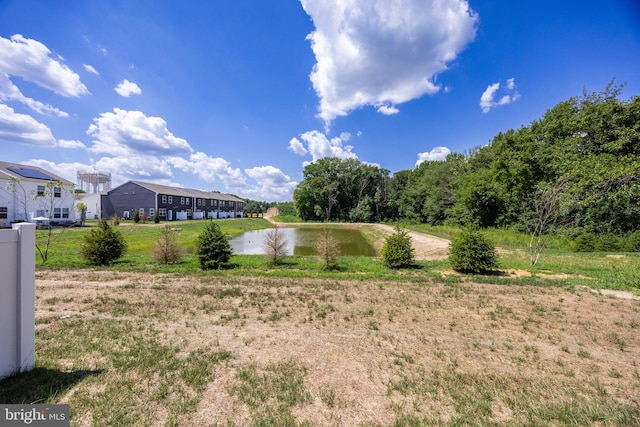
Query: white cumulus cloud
127	88
211	169
383	52
387	110
319	146
507	95
297	147
70	143
23	129
272	184
123	133
31	60
438	153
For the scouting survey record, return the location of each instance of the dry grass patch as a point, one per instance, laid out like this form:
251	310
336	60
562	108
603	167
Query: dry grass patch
216	350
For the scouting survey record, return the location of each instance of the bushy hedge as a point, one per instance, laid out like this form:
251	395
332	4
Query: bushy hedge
472	252
588	242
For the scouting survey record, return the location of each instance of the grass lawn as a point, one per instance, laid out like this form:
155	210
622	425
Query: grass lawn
140	343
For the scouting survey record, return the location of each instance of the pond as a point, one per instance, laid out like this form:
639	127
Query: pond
302	239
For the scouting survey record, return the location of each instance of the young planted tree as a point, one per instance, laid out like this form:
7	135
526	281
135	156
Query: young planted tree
136	216
397	251
213	248
50	200
327	248
546	207
156	216
471	252
276	246
82	210
103	245
167	248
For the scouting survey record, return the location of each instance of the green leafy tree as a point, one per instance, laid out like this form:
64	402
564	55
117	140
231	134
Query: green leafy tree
81	208
397	251
156	216
213	247
136	216
103	245
472	252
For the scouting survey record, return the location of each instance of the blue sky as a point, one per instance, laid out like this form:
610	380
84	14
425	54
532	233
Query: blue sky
238	96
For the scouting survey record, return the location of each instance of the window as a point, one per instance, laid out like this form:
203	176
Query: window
182	200
65	213
57	213
170	199
40	190
188	200
40	212
215	203
151	212
57	192
164	199
199	202
4	212
162	212
141	211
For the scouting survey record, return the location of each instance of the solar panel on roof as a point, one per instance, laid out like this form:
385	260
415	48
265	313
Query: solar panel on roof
30	173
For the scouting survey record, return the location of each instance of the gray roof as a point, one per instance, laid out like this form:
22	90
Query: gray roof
5	172
186	192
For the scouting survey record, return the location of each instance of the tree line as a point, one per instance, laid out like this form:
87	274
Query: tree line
576	168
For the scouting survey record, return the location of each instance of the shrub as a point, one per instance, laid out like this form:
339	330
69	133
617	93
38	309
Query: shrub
213	248
584	243
397	251
156	216
167	248
608	243
103	245
328	249
275	245
115	221
136	216
472	252
632	242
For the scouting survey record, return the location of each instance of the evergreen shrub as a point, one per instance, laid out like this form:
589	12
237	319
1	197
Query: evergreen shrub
103	245
213	248
397	251
472	252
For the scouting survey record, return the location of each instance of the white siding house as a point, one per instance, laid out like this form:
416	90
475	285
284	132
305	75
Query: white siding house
30	192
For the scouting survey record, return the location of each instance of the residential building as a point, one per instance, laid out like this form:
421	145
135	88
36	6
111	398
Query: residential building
171	203
30	192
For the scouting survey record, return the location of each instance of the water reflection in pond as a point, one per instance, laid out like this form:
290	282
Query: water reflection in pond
302	239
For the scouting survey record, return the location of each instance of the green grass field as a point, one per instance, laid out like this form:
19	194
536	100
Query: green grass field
598	270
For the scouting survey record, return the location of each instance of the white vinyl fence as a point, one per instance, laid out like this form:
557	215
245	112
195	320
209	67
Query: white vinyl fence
17	298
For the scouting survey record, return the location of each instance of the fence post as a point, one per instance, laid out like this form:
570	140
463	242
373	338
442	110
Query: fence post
26	297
